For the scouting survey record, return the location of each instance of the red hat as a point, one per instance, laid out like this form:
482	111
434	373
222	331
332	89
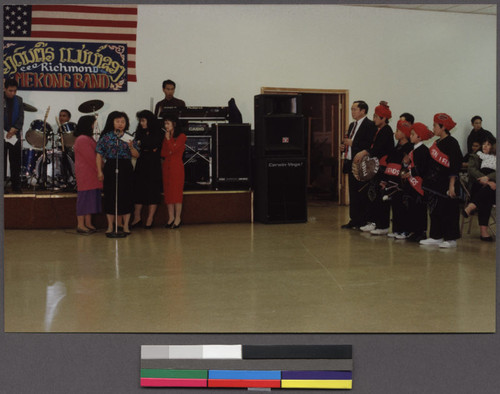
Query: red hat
422	131
405	127
445	120
383	110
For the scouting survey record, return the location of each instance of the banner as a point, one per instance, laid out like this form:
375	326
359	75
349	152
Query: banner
66	66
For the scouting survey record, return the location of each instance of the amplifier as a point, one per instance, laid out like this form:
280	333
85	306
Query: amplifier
231	156
198	162
198	128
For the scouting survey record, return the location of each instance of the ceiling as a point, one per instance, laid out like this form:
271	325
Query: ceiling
482	9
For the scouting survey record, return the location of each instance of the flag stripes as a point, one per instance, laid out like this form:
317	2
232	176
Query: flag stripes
71	22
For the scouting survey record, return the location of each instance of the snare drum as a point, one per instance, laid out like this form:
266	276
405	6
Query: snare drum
67	134
34	135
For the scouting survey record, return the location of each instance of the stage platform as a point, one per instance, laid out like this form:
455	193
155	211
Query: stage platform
56	210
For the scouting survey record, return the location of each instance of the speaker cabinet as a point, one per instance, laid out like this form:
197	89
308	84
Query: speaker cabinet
231	156
198	162
279	126
278	104
280	190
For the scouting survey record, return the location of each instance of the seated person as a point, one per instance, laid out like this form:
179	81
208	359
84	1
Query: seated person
474	148
477	134
482	169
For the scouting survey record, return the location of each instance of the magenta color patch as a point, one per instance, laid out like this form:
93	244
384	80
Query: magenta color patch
166	382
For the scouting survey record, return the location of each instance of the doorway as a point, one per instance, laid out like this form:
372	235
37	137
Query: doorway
326	121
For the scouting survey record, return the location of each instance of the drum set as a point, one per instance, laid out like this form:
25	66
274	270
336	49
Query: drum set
49	162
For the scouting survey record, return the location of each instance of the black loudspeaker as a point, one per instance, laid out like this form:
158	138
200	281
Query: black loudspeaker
231	156
279	126
280	190
197	160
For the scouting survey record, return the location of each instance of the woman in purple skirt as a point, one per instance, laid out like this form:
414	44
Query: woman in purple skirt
89	188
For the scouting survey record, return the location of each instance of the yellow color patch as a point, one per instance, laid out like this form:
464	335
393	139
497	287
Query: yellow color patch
316	384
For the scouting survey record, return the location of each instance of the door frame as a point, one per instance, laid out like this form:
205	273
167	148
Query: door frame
342	185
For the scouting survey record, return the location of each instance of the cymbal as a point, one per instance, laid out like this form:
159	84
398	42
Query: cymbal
90	106
29	108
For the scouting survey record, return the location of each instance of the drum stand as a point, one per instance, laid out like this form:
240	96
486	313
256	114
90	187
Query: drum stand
116	233
43	164
44	167
65	168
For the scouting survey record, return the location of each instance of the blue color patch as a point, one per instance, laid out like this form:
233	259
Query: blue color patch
248	375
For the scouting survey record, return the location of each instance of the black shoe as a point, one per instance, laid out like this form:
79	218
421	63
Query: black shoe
148	227
348	225
139	223
169	225
487	239
87	231
174	226
417	237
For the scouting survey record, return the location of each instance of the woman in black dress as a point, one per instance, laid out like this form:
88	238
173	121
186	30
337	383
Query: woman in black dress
147	173
115	148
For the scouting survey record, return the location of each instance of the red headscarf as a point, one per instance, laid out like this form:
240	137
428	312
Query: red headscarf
405	127
445	120
422	131
383	110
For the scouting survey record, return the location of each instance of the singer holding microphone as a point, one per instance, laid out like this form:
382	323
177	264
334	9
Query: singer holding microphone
115	149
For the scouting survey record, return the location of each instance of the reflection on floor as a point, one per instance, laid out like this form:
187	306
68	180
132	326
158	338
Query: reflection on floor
246	278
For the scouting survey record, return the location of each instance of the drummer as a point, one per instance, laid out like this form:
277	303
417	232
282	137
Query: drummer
64	116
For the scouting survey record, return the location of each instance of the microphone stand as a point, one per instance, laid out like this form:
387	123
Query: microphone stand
116	233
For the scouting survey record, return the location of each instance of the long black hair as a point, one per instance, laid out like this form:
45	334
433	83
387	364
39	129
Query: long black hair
175	120
151	119
85	126
110	122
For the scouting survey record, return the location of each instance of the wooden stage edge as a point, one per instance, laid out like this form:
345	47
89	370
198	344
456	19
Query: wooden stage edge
52	210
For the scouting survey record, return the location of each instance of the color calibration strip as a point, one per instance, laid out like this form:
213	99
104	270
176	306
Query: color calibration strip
247	366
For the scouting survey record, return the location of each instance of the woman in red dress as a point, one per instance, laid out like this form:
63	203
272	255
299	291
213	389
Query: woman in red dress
173	170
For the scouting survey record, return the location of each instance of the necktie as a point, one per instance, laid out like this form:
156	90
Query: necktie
351	133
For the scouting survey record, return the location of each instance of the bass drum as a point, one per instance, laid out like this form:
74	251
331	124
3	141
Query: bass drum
34	135
68	134
60	169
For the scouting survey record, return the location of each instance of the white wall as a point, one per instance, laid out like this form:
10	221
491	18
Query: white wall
419	61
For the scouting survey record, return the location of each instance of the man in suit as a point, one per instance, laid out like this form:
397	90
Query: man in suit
360	137
13	119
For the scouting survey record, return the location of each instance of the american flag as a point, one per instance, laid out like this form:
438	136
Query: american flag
58	22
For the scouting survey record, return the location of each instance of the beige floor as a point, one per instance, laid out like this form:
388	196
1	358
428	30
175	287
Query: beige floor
246	278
